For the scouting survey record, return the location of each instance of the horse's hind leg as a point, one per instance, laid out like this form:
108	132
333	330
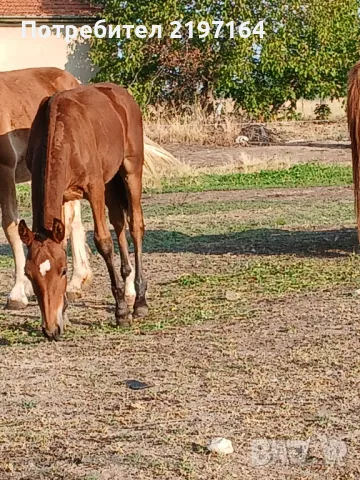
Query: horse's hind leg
82	275
105	247
18	297
132	175
116	201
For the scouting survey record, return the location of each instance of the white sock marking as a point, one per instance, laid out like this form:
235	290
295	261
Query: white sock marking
130	285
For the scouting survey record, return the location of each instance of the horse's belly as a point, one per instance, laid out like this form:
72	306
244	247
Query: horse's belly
22	173
18	142
73	193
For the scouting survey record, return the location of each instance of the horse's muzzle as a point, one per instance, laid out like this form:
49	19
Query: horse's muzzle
52	335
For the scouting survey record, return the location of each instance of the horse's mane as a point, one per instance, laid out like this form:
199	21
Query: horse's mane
353	115
40	133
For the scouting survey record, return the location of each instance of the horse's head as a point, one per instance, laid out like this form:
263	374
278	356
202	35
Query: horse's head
46	269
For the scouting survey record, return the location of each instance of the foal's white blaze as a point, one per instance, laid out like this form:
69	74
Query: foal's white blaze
44	267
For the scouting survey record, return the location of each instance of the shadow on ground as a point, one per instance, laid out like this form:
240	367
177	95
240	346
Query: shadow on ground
338	145
5	250
263	241
325	243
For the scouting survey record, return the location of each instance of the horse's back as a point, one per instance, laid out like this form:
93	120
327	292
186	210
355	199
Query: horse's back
111	112
21	92
97	125
102	109
48	78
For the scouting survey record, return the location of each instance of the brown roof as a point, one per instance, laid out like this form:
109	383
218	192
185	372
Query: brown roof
47	8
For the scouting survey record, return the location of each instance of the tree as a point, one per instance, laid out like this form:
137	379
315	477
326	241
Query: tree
307	51
164	69
309	48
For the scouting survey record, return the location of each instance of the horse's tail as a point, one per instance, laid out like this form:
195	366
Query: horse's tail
157	157
158	162
353	116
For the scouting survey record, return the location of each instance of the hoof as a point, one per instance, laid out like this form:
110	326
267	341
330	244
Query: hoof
74	290
29	291
124	322
141	311
73	295
15	305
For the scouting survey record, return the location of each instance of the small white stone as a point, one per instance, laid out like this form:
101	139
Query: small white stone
232	296
242	140
136	406
220	445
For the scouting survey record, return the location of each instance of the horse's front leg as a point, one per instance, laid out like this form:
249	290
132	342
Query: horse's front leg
82	275
18	297
105	246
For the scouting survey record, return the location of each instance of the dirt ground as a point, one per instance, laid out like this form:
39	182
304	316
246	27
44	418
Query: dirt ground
323	151
253	335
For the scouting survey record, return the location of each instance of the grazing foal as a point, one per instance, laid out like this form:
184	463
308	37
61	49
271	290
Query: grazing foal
21	92
86	143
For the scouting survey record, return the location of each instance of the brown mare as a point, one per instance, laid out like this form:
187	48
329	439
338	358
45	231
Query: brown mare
85	143
21	92
353	114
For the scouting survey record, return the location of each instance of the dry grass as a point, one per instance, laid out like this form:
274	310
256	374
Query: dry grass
160	165
193	126
245	163
336	131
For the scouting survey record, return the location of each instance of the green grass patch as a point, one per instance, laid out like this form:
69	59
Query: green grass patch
203	208
302	175
312	225
6	261
278	276
23	194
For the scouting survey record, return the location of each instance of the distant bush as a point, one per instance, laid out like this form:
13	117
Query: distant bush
322	111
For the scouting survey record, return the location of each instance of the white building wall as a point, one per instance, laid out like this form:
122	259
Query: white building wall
17	53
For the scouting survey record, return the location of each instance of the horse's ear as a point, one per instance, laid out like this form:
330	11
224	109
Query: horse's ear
58	231
26	235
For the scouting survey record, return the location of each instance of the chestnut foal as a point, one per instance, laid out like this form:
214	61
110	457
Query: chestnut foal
86	143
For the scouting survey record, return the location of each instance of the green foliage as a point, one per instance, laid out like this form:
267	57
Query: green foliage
306	52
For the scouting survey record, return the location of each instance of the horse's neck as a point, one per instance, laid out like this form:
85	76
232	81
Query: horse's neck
48	195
